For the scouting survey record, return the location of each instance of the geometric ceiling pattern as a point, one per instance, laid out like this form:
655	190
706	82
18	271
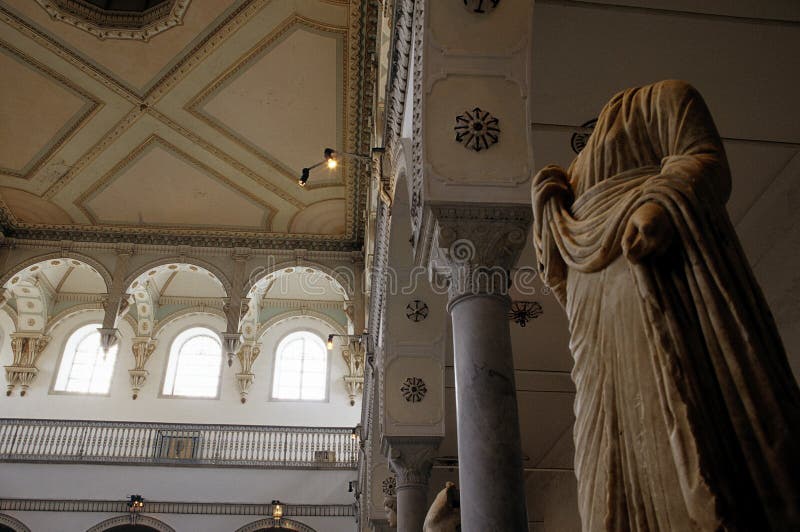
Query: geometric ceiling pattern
194	136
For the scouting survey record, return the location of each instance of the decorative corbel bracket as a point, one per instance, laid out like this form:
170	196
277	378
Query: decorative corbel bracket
142	347
354	379
26	349
247	355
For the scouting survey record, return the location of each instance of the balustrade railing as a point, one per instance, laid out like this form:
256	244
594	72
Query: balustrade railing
112	442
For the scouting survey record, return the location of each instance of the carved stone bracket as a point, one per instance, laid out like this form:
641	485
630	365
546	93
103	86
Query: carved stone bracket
354	379
26	349
411	460
247	355
142	348
474	246
231	343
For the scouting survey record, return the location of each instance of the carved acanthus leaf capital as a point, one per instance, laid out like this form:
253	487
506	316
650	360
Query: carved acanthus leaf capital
411	460
475	246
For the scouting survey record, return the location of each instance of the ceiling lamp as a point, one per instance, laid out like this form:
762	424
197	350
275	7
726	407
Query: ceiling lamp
331	160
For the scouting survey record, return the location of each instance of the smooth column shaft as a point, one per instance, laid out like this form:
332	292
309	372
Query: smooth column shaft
489	450
412	506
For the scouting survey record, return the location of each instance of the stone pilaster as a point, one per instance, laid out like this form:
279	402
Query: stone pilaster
232	338
142	348
109	334
411	459
247	354
26	349
474	248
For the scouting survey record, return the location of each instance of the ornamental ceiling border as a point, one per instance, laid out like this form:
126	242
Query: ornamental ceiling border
282	31
152	141
91	107
106	24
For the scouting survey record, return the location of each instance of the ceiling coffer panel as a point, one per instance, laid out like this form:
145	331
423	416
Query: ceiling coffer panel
195	136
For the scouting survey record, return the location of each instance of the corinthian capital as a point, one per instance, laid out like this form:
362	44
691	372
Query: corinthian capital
411	459
474	246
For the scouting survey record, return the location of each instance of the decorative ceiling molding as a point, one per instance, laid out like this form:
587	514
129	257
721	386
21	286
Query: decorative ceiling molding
149	143
131	114
91	106
110	24
195	106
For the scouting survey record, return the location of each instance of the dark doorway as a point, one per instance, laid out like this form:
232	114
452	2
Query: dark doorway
132	528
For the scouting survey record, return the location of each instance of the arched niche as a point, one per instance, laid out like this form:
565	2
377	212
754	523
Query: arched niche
67	256
125	522
269	525
340	280
35	285
171	279
172	264
14	525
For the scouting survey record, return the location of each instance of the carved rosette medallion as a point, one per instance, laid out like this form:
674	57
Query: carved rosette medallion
417	311
413	389
481	6
580	138
524	311
477	129
389	486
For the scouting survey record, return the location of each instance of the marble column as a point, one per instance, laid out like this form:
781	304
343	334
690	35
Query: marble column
411	460
476	249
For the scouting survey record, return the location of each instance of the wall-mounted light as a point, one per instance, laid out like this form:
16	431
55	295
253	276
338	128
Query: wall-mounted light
331	160
361	338
135	503
277	510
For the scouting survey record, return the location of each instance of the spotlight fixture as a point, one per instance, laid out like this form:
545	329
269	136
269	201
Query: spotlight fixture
277	510
332	159
135	503
360	337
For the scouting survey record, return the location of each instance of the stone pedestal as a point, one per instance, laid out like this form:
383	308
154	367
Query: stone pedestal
411	460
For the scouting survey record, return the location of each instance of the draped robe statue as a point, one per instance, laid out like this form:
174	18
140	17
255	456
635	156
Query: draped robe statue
687	414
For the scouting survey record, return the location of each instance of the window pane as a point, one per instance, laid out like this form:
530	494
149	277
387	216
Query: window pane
300	368
85	368
197	365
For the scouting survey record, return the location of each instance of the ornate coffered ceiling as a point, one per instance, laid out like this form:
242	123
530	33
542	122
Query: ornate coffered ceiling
195	135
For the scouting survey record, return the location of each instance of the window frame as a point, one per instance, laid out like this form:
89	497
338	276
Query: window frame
328	364
61	359
162	394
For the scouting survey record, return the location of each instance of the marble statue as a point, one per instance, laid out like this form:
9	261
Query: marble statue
390	507
444	514
687	414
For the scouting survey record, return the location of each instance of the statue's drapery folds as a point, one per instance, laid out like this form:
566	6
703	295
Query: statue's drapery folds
688	417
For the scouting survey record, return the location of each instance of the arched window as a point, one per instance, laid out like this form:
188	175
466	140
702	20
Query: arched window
301	367
85	368
195	363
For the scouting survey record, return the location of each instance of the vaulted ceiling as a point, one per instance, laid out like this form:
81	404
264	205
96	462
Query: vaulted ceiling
190	130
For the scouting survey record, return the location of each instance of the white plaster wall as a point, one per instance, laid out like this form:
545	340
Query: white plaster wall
79	522
42	402
173	484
